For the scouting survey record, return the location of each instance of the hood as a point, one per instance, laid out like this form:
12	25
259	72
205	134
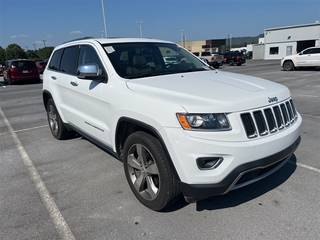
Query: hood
209	91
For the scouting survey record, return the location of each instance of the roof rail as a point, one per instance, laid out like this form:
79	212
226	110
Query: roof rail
77	39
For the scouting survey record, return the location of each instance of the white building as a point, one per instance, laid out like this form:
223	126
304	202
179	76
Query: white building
283	41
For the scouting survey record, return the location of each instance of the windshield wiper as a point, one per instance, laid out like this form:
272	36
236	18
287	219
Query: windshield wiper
147	74
193	70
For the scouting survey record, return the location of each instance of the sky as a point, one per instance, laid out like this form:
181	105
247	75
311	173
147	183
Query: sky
33	24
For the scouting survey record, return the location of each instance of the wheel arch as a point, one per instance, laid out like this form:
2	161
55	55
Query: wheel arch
290	60
127	126
46	95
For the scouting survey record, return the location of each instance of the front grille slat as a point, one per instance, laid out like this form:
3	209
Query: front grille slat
270	120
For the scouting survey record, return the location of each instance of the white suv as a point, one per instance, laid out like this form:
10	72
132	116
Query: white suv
178	127
309	57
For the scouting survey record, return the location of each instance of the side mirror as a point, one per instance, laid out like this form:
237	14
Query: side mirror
88	71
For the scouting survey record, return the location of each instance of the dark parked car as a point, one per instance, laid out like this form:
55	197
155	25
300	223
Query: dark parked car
249	54
233	58
41	65
21	70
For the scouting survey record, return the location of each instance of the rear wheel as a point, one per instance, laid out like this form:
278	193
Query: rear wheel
288	66
59	131
148	172
231	62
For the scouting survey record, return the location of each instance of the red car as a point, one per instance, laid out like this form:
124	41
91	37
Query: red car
21	70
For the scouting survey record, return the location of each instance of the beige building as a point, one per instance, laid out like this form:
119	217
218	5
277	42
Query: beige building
211	45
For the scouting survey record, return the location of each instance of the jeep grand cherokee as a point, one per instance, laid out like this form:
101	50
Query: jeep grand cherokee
179	127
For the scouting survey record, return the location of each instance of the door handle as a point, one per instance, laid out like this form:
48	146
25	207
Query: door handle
74	83
54	77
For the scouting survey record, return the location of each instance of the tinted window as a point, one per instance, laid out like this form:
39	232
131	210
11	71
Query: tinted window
55	60
23	64
206	54
89	55
312	51
69	60
308	51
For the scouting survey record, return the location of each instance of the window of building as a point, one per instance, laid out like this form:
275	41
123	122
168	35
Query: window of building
274	50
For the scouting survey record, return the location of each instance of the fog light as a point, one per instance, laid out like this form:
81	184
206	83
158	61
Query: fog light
209	163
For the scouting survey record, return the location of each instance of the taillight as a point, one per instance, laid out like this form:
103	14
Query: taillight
212	59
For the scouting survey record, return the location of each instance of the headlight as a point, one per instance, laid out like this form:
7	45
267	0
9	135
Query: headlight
211	121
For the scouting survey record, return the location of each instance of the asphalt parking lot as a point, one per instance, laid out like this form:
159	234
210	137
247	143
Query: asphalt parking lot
52	189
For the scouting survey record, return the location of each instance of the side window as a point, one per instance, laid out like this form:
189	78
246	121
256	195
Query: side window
69	60
317	50
55	60
309	51
89	55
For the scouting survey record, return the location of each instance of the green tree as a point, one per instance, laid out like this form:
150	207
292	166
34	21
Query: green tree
44	53
31	54
14	51
2	54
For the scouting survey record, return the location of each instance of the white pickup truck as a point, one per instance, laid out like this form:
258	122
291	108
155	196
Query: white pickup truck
214	60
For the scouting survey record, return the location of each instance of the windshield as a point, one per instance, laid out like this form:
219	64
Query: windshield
138	59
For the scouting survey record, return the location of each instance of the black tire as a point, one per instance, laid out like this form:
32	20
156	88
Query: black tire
288	66
148	172
231	62
239	64
58	130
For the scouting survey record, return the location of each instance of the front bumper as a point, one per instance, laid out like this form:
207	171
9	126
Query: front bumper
241	176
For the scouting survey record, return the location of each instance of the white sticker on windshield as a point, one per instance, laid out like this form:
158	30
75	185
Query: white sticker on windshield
109	49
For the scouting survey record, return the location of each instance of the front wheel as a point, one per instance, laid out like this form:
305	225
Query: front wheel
288	66
59	131
231	63
148	171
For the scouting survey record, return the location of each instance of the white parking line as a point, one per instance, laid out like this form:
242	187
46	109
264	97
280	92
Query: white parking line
308	167
309	115
25	129
52	208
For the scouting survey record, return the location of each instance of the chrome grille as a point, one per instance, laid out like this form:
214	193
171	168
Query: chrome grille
269	120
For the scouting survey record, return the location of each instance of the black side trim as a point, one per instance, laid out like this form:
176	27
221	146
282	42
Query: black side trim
196	192
93	140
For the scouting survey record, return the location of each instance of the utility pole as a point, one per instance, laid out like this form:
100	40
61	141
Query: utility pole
44	43
104	19
34	47
181	31
140	23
